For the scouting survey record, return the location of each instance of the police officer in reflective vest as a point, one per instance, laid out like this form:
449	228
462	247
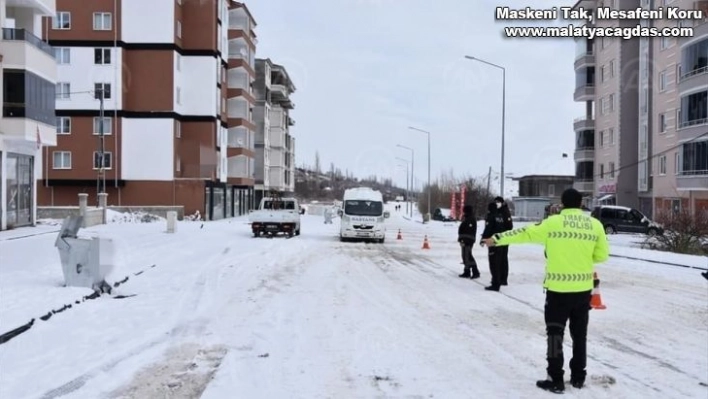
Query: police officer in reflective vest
574	243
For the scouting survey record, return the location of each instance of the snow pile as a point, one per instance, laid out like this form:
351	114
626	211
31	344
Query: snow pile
131	217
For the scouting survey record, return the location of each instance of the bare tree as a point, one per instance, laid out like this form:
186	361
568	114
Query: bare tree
684	232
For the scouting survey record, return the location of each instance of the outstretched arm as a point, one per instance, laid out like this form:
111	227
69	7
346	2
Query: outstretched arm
532	234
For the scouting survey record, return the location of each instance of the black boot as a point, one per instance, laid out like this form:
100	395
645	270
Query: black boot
551	386
475	275
577	382
465	275
492	288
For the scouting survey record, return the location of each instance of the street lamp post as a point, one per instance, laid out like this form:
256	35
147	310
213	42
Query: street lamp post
412	171
501	180
429	187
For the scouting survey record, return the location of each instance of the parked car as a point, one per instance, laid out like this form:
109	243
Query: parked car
276	215
443	215
622	219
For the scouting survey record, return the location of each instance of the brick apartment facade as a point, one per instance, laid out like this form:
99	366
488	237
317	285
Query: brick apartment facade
171	113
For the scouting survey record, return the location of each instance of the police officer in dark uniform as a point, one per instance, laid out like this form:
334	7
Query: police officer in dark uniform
503	252
494	224
466	236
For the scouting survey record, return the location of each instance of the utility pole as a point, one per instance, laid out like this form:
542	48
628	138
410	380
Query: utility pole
489	179
101	178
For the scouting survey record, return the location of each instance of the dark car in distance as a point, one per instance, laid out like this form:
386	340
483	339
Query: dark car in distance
622	219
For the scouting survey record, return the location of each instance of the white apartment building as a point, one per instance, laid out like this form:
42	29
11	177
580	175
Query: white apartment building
28	76
275	145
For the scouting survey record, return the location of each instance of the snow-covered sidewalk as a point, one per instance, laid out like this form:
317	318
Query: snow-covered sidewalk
224	315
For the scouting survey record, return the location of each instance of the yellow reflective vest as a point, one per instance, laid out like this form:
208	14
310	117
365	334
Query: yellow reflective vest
574	243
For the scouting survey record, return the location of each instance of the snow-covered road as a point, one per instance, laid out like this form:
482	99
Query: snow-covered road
223	315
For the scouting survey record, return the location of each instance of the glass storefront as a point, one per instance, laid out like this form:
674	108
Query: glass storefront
218	211
18	179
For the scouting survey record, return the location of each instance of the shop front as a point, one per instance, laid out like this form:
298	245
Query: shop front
226	201
17	190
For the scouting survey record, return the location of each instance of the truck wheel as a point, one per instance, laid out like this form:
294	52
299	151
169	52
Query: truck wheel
297	232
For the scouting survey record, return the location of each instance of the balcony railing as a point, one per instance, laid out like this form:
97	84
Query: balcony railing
583	118
689	74
694	173
694	122
24	35
588	53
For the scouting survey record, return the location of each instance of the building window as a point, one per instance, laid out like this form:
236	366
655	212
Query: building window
603	71
178	165
106	125
604	106
602	171
678	118
102	21
63	125
601	137
662	123
693	57
612	102
612	69
63	91
178	62
662	165
63	55
178	95
179	29
695	158
662	81
611	134
665	42
551	190
678	72
102	56
612	170
62	20
61	160
107	160
677	163
104	88
178	129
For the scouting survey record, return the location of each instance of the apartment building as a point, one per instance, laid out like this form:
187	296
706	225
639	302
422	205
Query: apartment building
28	75
144	110
275	146
678	109
607	72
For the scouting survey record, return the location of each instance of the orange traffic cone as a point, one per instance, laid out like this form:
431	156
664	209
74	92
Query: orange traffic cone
426	245
399	237
596	298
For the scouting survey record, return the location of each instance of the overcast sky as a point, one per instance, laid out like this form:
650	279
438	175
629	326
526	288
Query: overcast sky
365	70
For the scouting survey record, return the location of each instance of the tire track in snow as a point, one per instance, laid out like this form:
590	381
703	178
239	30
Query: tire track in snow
188	304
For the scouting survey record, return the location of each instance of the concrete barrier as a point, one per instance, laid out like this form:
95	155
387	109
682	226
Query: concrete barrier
171	221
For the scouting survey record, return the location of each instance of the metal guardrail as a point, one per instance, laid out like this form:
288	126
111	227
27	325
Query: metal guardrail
694	122
693	173
24	35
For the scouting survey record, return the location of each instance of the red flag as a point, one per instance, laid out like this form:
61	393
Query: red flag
39	139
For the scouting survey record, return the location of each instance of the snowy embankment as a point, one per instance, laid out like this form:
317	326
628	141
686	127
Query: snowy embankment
224	315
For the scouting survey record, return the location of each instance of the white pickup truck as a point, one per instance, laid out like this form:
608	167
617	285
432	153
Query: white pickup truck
276	215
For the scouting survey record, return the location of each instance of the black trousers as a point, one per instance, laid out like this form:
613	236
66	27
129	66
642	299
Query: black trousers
468	260
561	308
503	259
494	256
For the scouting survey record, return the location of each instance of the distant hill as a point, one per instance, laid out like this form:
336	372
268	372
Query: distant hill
311	185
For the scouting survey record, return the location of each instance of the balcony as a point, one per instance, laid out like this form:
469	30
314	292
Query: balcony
23	50
700	29
692	80
584	154
276	158
240	137
583	123
45	7
585	60
584	185
689	130
584	93
692	181
237	78
276	138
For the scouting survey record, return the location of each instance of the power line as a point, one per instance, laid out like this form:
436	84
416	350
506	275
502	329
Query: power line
655	155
